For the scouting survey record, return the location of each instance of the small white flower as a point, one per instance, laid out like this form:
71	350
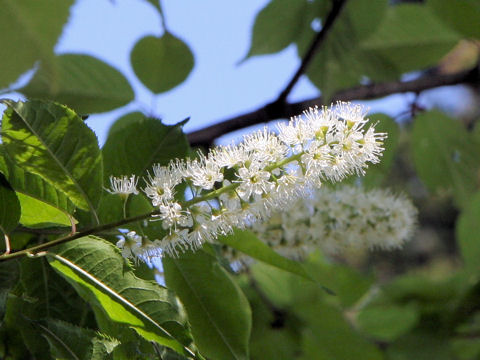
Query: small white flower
253	181
333	220
238	185
171	214
161	186
130	244
203	173
265	146
123	185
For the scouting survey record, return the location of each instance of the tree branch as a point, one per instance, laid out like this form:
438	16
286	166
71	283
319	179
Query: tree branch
95	230
278	110
337	6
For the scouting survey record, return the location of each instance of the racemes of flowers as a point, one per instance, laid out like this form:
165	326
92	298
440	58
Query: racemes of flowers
335	220
235	186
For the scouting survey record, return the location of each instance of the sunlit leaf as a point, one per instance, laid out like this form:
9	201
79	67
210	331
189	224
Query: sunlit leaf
161	63
82	82
29	30
112	287
217	309
32	185
51	141
36	213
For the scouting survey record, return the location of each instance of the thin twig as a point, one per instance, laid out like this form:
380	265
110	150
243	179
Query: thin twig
275	110
7	245
337	6
40	248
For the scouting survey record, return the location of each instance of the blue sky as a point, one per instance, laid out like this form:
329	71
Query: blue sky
218	33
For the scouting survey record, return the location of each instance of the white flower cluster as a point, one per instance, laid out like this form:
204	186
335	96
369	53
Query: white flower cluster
237	185
333	220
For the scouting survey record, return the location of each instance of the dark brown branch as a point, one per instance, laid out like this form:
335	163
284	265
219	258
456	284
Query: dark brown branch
276	110
337	6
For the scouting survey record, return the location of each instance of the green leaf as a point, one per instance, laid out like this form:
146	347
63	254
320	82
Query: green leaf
31	185
36	213
248	243
339	62
217	309
462	16
125	120
9	207
143	305
276	26
445	155
150	141
84	83
420	345
329	336
387	322
68	341
51	141
161	63
468	236
156	4
41	293
9	274
20	320
466	349
29	30
410	37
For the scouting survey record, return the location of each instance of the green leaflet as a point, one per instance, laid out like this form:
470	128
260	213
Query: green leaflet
29	30
161	63
217	309
84	83
143	305
51	141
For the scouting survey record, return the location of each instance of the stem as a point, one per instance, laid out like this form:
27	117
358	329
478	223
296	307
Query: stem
7	245
95	230
61	240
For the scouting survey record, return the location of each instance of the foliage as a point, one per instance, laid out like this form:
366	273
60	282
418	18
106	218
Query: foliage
67	292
